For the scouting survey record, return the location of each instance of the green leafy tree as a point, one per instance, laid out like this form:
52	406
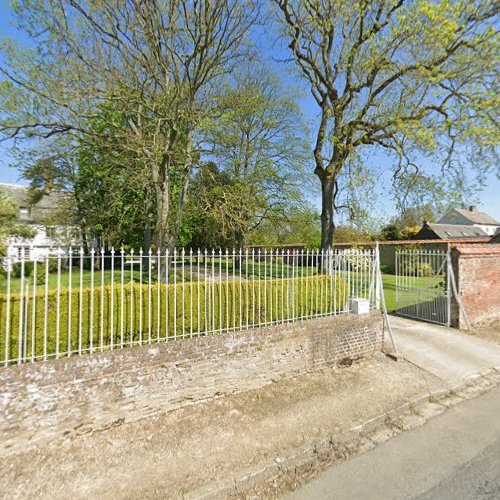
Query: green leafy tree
159	63
390	233
218	207
301	225
414	216
412	78
112	184
408	222
350	234
408	232
103	199
259	145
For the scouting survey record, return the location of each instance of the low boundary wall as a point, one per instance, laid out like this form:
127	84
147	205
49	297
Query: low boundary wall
86	393
477	274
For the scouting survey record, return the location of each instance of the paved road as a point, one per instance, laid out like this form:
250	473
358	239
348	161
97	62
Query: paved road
445	352
454	456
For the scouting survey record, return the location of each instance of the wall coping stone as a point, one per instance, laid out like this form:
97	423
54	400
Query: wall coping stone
487	249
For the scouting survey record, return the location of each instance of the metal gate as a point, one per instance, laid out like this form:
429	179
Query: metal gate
423	285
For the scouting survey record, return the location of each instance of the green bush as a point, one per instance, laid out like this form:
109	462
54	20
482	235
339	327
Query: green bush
386	269
424	270
17	269
53	266
41	273
131	313
411	265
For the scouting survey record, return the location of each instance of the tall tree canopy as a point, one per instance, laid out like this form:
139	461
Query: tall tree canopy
159	64
412	77
260	145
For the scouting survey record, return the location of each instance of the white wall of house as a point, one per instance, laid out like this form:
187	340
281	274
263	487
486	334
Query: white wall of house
454	217
488	229
45	242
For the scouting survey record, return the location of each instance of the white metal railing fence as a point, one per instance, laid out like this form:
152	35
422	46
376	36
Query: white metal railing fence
73	303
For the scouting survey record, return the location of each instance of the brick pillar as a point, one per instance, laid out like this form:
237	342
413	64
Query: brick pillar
477	274
455	308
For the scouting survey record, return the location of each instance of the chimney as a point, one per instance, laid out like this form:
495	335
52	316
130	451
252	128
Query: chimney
472	208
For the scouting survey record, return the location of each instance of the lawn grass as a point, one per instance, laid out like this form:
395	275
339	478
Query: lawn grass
389	285
257	270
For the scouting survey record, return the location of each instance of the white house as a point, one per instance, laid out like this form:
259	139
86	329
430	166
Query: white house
48	237
471	217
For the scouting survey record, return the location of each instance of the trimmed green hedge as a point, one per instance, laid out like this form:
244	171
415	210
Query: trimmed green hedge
136	318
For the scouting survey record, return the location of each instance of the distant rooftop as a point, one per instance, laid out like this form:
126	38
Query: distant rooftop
477	217
451	231
29	212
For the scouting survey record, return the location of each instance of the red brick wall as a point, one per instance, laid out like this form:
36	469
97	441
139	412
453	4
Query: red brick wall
477	273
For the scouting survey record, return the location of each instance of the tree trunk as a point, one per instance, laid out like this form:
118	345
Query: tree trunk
147	237
147	234
183	195
162	195
174	234
239	238
327	211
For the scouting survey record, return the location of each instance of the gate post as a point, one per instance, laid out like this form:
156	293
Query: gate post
449	270
459	315
377	273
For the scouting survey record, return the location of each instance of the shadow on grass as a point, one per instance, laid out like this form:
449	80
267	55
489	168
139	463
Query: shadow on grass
435	310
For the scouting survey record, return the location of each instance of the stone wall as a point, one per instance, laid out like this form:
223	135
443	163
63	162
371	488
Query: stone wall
81	394
477	274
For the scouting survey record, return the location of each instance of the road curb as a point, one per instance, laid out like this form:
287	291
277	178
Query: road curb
289	471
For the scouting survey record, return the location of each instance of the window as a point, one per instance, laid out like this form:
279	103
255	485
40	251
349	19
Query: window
51	232
24	213
23	253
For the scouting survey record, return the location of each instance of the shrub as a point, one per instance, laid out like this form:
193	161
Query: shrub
136	319
355	259
53	266
17	269
41	273
386	269
424	270
412	265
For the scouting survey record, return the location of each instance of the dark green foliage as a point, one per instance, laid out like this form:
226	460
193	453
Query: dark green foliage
18	271
390	233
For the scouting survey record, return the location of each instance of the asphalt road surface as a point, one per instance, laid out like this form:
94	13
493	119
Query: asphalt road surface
453	456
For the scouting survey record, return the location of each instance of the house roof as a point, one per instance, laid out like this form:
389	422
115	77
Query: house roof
451	231
38	211
477	217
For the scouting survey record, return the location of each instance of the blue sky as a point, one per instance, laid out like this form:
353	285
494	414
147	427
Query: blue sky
488	200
